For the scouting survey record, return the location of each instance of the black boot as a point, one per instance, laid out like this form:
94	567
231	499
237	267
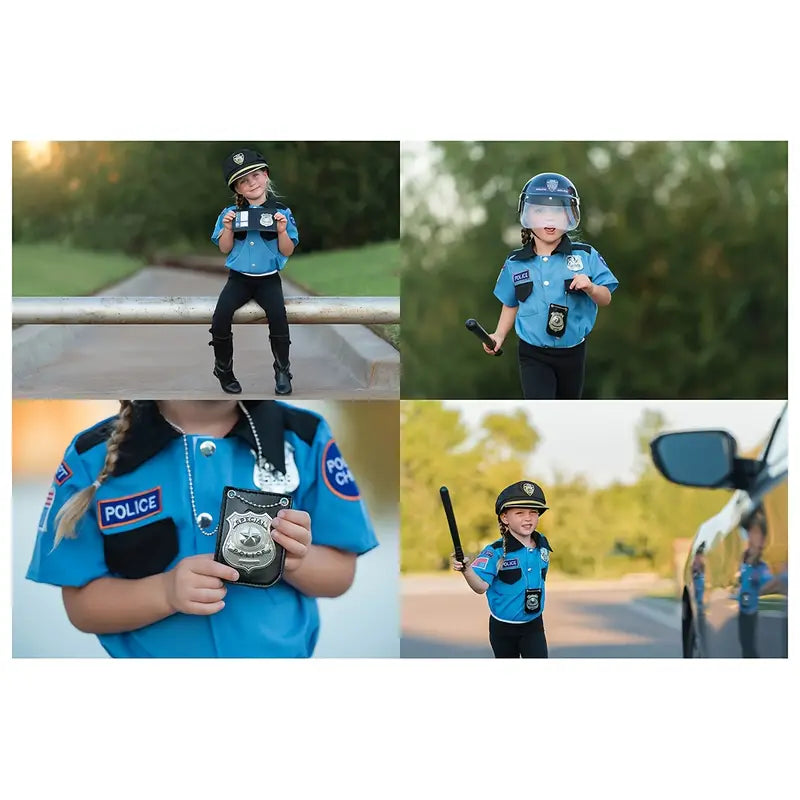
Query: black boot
223	363
280	349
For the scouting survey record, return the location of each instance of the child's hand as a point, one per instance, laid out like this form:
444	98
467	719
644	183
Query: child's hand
194	585
280	221
457	565
292	529
227	220
581	282
498	343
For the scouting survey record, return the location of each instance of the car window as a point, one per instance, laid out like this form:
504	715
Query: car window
778	448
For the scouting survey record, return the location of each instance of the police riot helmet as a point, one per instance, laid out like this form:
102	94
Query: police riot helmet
543	192
523	494
242	163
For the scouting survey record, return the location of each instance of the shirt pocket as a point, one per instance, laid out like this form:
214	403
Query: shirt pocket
509	576
139	552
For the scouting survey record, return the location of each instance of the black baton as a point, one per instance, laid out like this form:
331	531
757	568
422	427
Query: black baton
444	493
476	328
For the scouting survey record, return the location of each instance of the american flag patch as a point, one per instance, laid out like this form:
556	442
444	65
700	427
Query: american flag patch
480	563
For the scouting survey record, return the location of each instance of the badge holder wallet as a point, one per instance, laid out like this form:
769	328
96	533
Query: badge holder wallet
244	541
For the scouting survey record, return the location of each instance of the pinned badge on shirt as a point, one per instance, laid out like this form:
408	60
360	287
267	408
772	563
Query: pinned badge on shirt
545	553
574	263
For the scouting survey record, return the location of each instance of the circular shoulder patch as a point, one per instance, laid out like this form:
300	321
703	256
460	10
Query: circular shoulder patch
336	473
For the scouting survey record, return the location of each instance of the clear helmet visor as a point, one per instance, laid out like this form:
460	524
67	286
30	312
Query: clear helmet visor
560	213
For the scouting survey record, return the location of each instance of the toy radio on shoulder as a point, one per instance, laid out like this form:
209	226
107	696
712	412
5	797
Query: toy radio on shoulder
254	219
244	541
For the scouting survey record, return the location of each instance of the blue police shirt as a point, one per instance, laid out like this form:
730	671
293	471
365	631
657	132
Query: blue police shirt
142	524
533	282
751	578
508	578
254	252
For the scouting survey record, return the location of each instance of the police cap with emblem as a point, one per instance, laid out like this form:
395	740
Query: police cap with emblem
242	163
523	494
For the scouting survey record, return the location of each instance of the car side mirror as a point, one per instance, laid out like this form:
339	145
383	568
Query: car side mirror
702	458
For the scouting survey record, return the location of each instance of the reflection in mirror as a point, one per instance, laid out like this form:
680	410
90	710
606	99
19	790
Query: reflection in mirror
695	458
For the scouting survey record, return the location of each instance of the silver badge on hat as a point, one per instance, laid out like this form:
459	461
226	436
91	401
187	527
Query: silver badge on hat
238	159
266	220
528	489
557	321
248	544
552	185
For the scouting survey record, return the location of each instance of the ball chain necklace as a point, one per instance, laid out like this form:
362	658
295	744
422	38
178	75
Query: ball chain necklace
203	520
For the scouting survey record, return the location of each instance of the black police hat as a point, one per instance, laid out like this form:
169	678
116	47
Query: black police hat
242	163
523	494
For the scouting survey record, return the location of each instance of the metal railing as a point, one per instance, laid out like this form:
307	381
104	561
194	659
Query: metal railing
196	310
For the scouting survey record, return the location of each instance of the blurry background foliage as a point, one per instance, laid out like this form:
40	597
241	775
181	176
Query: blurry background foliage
595	532
138	197
696	233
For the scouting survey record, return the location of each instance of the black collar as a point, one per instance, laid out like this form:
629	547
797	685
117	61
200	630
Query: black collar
524	253
513	544
149	433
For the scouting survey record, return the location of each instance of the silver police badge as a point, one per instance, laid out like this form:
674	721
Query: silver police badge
238	159
266	220
268	479
528	489
574	263
556	321
248	544
545	553
552	185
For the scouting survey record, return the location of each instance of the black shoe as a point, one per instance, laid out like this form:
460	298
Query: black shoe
227	380
280	349
223	363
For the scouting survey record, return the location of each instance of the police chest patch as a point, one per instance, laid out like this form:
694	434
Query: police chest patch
46	510
574	263
480	563
63	473
521	277
336	473
124	510
545	553
510	562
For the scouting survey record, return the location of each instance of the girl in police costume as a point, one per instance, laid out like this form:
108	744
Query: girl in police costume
550	290
258	242
129	528
512	572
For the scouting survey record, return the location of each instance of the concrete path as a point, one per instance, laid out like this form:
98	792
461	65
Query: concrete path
175	361
443	618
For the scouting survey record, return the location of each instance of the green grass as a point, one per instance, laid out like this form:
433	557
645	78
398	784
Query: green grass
54	270
369	271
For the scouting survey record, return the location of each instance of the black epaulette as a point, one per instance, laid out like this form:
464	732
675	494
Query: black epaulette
543	542
95	435
587	248
498	545
303	423
522	253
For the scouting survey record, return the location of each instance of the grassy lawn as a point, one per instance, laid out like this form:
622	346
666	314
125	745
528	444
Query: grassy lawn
369	271
54	270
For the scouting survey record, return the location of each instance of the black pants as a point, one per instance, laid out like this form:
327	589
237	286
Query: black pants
552	373
266	291
747	634
518	640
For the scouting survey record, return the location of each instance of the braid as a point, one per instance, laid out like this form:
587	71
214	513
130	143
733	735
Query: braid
503	531
71	512
526	234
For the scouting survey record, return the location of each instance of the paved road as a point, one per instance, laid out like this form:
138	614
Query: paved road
174	361
442	618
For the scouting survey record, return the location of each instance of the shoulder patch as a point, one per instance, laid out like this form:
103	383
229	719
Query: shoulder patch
303	423
336	473
63	474
480	563
132	508
587	248
95	435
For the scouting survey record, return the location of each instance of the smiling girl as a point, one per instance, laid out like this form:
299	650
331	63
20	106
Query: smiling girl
512	572
550	290
258	234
